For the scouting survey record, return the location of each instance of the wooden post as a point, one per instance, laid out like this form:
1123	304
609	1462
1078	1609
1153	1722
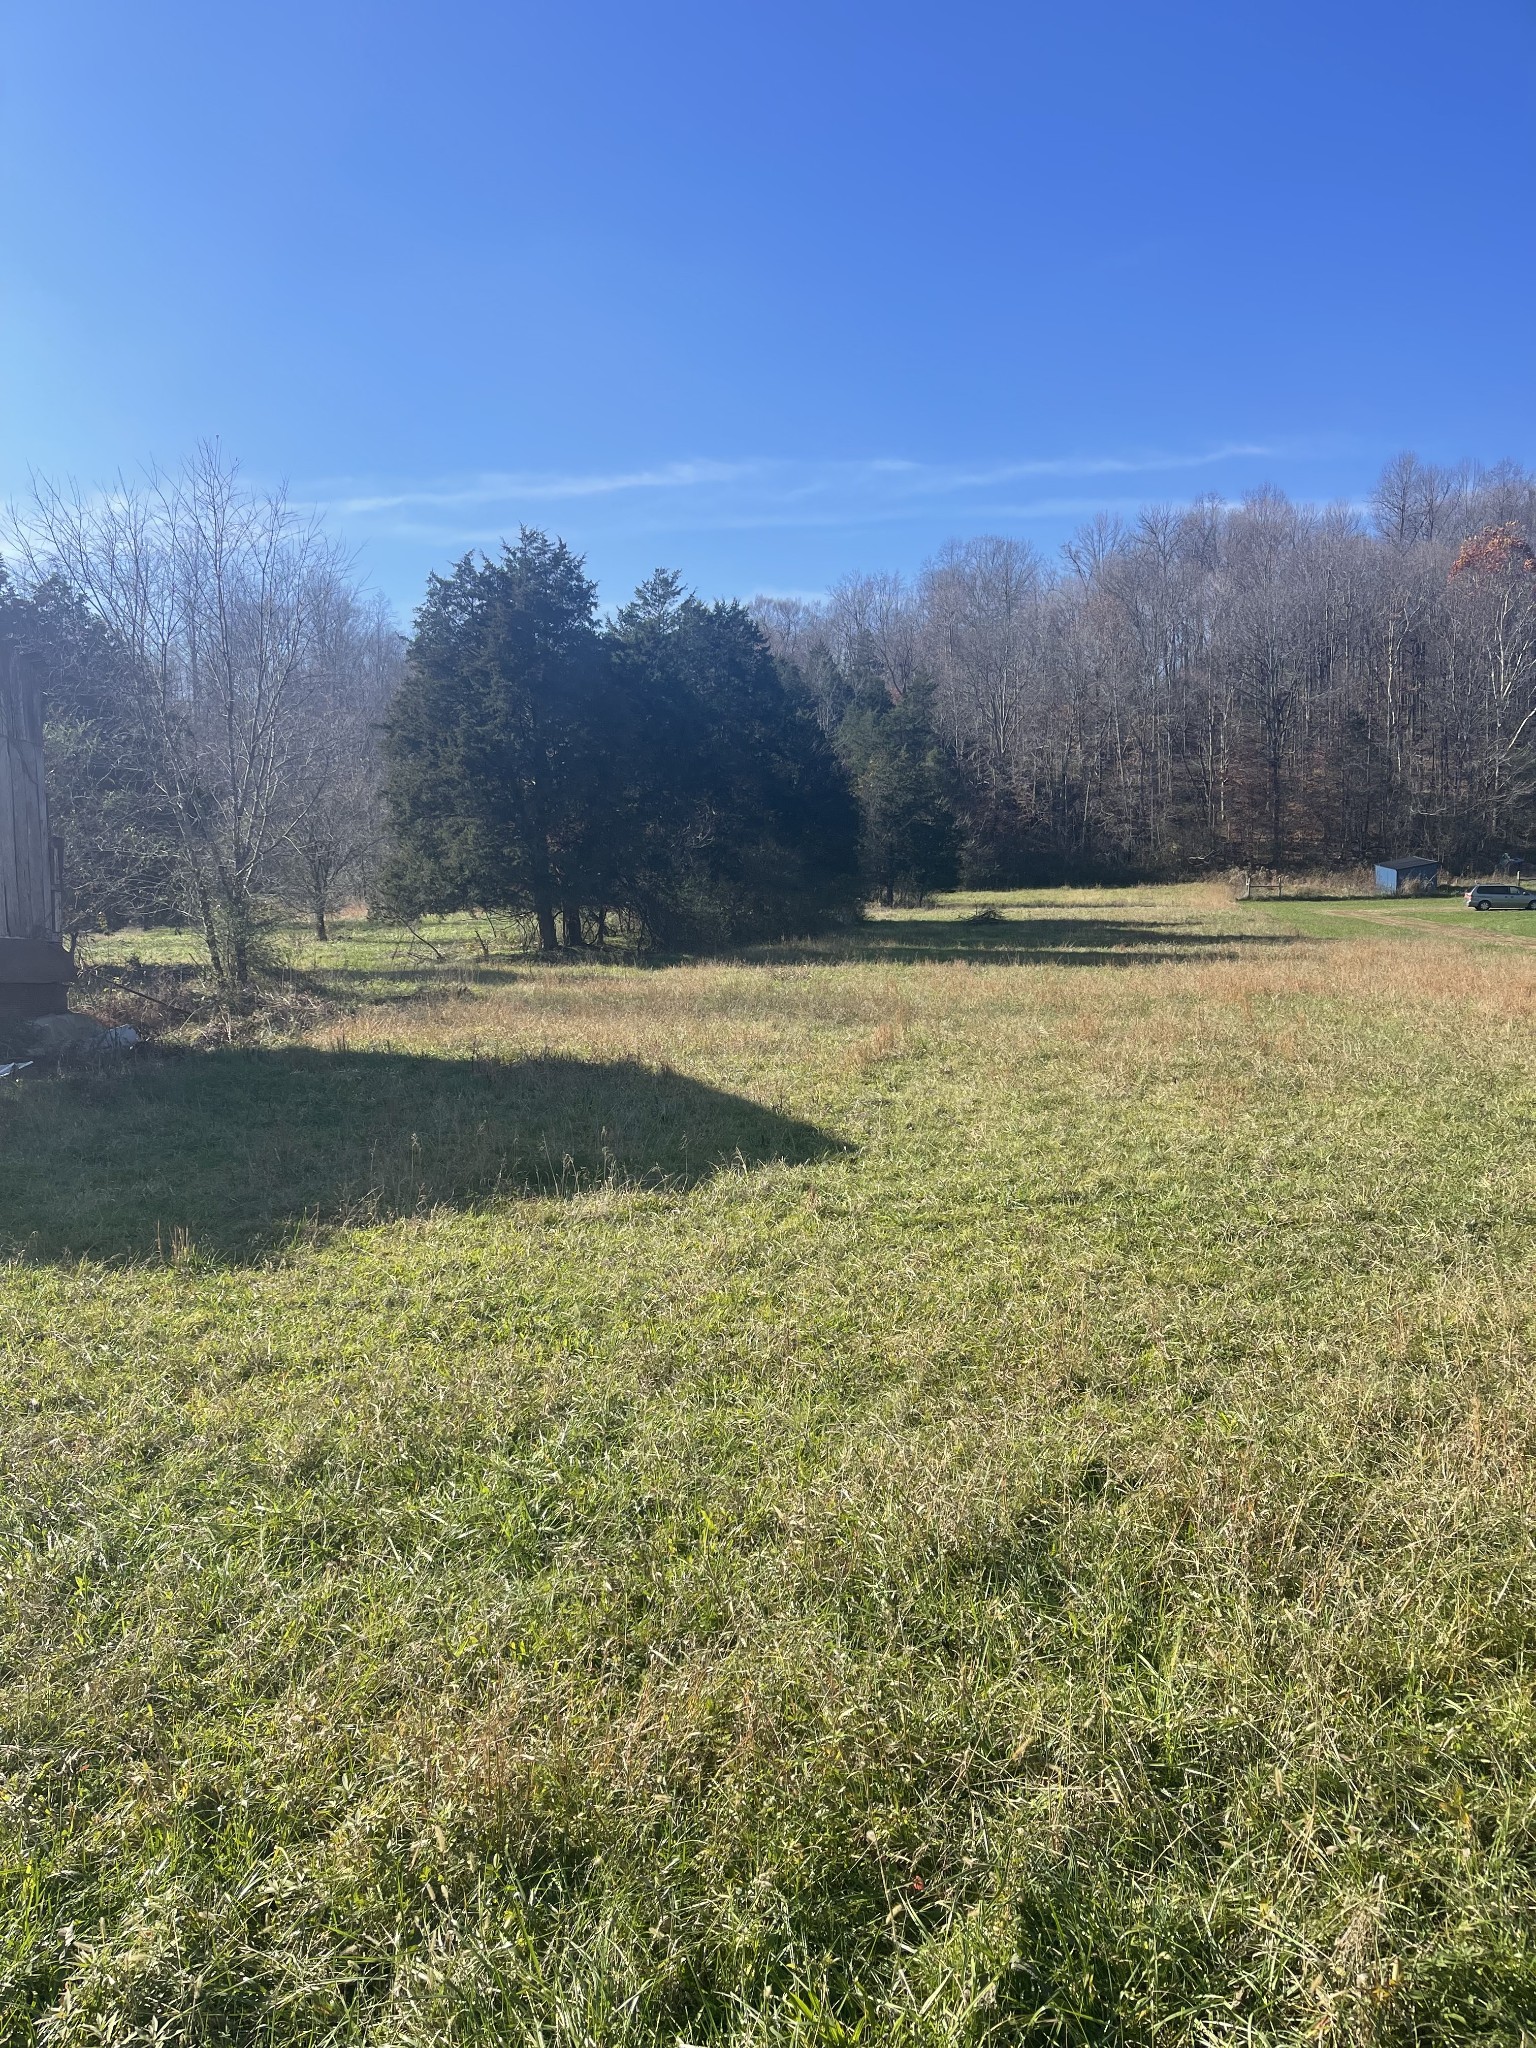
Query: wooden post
34	967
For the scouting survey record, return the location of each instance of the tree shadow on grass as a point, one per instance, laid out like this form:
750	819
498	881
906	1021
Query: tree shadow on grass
234	1154
1025	942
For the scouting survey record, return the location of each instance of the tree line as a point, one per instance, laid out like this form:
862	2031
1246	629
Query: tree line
234	723
1215	684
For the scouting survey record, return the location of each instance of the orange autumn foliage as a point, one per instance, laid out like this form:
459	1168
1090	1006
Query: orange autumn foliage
1497	550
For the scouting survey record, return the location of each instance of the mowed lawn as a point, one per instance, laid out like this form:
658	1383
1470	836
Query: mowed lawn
968	1482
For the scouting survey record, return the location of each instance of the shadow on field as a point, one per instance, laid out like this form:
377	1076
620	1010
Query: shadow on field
232	1154
1026	941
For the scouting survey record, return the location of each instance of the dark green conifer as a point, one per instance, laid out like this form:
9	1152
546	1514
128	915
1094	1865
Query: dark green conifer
661	770
908	838
502	743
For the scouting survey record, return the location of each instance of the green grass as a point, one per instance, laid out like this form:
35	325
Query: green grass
1442	917
969	1482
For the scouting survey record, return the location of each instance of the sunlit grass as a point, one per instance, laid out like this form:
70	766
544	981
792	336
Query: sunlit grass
968	1481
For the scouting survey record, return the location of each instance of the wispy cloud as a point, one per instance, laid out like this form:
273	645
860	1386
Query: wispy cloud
512	487
712	495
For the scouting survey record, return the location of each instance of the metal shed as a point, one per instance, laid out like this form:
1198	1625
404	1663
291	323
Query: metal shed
34	967
1406	875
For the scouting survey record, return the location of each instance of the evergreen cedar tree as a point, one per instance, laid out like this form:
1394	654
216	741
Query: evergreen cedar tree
909	842
658	768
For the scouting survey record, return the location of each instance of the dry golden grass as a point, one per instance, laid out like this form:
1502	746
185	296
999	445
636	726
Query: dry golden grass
968	1482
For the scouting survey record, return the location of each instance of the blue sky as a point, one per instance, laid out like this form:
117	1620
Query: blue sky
766	293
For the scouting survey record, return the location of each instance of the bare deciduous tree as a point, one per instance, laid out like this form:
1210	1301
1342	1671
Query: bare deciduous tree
335	834
239	626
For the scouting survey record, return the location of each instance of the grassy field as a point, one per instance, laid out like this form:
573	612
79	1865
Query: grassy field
970	1482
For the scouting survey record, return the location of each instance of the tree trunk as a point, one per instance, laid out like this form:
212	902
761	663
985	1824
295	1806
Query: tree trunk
234	917
319	892
210	930
544	911
570	918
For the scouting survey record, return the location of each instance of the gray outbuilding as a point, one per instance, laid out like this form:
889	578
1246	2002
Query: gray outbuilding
1408	875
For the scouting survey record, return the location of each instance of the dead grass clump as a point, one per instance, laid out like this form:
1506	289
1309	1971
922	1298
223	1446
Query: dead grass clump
1311	885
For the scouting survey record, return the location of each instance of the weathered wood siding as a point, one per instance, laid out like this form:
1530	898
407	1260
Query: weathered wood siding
29	908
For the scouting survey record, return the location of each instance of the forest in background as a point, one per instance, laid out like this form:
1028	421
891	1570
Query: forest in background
1214	685
236	726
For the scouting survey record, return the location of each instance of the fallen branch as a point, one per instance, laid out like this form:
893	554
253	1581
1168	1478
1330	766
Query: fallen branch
144	996
422	940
